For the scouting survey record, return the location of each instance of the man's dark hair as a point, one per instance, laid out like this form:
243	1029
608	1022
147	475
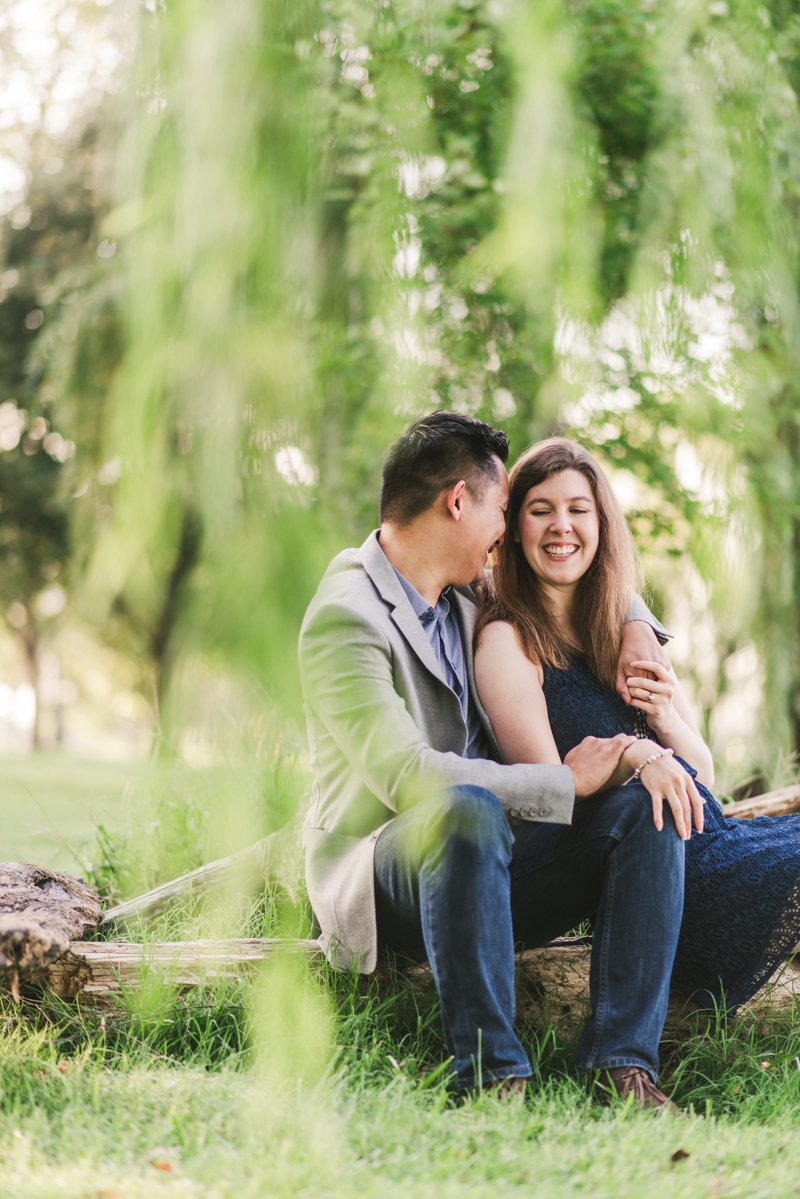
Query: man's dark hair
434	454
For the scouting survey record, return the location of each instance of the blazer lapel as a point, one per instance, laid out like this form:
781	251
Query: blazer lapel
468	611
379	569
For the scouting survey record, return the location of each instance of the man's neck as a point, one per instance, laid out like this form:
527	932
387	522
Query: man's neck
413	552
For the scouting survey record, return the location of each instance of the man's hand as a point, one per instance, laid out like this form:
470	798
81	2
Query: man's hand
637	636
594	761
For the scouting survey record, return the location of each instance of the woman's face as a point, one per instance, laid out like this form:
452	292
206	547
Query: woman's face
559	528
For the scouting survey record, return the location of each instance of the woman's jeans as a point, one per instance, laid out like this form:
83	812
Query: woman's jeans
457	885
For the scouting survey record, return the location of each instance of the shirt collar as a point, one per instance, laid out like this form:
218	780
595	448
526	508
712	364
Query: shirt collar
422	609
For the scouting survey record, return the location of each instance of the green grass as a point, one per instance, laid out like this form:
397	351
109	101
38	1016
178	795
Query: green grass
50	806
153	821
93	1106
85	1110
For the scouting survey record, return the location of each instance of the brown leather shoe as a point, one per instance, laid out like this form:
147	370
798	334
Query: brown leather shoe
510	1088
625	1081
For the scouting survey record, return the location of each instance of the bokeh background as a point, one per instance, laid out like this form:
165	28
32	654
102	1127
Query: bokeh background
243	245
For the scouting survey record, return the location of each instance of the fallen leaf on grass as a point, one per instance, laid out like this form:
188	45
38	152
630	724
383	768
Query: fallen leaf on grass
736	1089
63	1067
162	1157
764	1065
679	1155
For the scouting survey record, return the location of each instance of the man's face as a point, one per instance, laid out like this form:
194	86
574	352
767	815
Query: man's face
483	526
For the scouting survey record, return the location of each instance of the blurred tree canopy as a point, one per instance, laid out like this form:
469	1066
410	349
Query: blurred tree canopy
333	217
49	256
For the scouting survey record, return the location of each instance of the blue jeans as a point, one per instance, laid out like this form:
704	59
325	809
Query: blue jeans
456	885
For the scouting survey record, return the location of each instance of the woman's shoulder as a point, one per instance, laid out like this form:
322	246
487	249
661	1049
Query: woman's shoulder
499	628
500	635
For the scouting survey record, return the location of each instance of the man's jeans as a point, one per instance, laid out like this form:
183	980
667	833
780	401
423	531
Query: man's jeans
457	886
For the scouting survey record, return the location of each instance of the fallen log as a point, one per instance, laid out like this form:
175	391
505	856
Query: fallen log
41	912
553	981
44	913
99	973
774	803
278	859
273	859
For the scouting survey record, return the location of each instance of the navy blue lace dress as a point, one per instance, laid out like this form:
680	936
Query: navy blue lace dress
741	915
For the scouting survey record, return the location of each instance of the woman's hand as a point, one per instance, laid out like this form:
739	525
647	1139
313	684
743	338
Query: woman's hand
666	780
654	696
639	642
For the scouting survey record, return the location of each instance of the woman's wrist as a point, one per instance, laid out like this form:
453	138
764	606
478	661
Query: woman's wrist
654	757
636	753
665	728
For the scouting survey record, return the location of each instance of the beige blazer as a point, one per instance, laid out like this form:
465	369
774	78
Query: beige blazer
385	730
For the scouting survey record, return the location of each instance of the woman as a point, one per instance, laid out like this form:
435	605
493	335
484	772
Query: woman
547	641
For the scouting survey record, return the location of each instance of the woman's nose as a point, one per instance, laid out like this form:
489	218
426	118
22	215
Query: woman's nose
560	523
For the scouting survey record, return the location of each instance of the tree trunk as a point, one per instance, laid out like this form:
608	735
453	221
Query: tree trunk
29	635
185	560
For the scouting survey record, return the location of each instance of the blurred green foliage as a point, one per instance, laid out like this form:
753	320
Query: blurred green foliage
48	262
330	218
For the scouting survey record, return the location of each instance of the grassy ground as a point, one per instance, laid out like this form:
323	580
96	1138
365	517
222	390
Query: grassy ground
139	1110
50	806
201	1097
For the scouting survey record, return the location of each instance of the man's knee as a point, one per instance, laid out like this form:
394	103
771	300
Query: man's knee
474	814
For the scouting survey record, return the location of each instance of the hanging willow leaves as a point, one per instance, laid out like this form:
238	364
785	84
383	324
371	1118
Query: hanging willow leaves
334	217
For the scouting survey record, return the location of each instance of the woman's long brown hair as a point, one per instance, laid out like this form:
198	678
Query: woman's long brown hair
603	594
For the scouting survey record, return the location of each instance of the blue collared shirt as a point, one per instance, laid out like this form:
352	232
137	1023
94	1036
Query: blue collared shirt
442	627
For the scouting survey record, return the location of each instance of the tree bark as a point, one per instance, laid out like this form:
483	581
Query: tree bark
41	912
774	803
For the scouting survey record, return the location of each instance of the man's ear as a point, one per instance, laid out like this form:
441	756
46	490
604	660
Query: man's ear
455	500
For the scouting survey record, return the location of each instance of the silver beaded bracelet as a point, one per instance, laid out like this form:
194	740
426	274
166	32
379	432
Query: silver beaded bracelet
665	753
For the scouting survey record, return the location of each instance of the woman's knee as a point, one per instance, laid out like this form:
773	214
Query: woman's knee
634	811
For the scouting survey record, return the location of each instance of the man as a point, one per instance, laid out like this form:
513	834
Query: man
420	839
